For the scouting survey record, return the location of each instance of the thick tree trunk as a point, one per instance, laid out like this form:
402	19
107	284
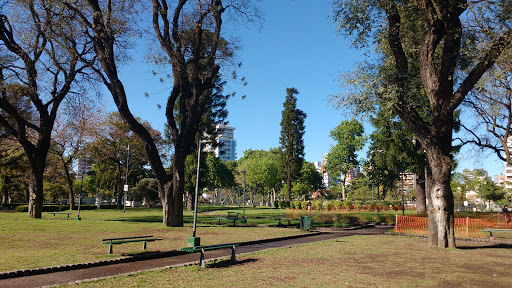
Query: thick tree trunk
288	187
35	204
441	213
172	200
421	204
5	189
191	200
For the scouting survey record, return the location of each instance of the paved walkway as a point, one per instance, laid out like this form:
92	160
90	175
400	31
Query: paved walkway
167	260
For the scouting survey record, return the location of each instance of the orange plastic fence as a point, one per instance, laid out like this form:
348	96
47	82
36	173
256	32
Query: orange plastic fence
464	227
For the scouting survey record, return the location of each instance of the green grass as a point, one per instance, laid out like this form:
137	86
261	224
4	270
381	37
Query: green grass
358	261
50	241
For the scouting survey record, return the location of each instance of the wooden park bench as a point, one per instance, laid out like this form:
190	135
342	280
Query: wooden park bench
67	213
233	215
116	241
490	231
211	247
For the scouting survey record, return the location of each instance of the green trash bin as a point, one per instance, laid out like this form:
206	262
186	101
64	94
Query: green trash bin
305	222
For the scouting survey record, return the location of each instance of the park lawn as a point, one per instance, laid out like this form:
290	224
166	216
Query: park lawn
358	261
51	241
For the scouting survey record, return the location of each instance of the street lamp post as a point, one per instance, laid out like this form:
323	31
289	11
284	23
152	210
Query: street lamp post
126	179
243	211
195	241
80	197
403	202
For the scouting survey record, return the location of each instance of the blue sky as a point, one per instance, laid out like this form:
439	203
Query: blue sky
296	47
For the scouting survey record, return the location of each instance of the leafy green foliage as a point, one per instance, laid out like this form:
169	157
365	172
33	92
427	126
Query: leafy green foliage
342	157
292	144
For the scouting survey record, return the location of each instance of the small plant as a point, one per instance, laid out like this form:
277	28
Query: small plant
338	204
329	205
317	205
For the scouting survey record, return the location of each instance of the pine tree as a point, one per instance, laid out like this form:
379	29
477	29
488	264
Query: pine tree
292	144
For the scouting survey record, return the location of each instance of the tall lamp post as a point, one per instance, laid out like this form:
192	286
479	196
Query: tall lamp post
243	211
195	241
79	198
403	202
126	179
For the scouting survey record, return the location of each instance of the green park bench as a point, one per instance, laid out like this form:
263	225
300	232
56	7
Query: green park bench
233	215
63	213
228	219
202	249
490	231
117	241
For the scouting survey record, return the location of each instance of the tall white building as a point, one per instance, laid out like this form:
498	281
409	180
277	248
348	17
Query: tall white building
226	143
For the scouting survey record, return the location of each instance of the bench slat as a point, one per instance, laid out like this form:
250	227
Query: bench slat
206	248
130	241
124	238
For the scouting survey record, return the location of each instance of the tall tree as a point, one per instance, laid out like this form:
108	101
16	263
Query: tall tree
491	104
392	151
41	70
77	123
342	157
292	144
181	28
431	33
116	145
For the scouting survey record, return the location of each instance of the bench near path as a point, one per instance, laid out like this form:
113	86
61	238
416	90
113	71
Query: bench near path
171	259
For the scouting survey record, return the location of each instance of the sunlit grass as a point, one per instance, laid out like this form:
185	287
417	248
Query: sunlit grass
50	241
358	261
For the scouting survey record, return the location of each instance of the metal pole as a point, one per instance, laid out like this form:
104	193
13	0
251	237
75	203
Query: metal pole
403	203
126	179
243	214
197	188
80	197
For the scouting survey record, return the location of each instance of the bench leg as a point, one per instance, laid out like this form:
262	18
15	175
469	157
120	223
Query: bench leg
490	235
144	245
201	259
233	257
110	248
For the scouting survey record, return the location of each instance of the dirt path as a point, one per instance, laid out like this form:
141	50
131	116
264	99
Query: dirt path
166	260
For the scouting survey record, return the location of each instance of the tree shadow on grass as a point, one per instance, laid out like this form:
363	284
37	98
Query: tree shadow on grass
227	263
496	246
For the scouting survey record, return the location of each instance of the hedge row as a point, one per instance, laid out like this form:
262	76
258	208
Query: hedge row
56	208
339	205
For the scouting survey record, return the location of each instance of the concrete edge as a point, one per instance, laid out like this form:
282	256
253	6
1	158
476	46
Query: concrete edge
127	259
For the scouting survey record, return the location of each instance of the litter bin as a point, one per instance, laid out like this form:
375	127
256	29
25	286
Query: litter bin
305	222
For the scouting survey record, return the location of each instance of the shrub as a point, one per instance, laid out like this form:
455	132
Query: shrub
317	205
358	204
338	204
282	205
22	208
329	205
304	204
45	208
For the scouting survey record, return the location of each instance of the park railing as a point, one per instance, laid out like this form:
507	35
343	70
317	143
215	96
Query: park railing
464	227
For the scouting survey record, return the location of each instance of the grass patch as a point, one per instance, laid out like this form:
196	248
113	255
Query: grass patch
359	261
50	241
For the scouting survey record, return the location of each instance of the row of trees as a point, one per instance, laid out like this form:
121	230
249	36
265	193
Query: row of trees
54	49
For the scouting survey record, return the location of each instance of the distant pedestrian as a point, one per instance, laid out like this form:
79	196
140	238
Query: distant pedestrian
506	215
309	205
